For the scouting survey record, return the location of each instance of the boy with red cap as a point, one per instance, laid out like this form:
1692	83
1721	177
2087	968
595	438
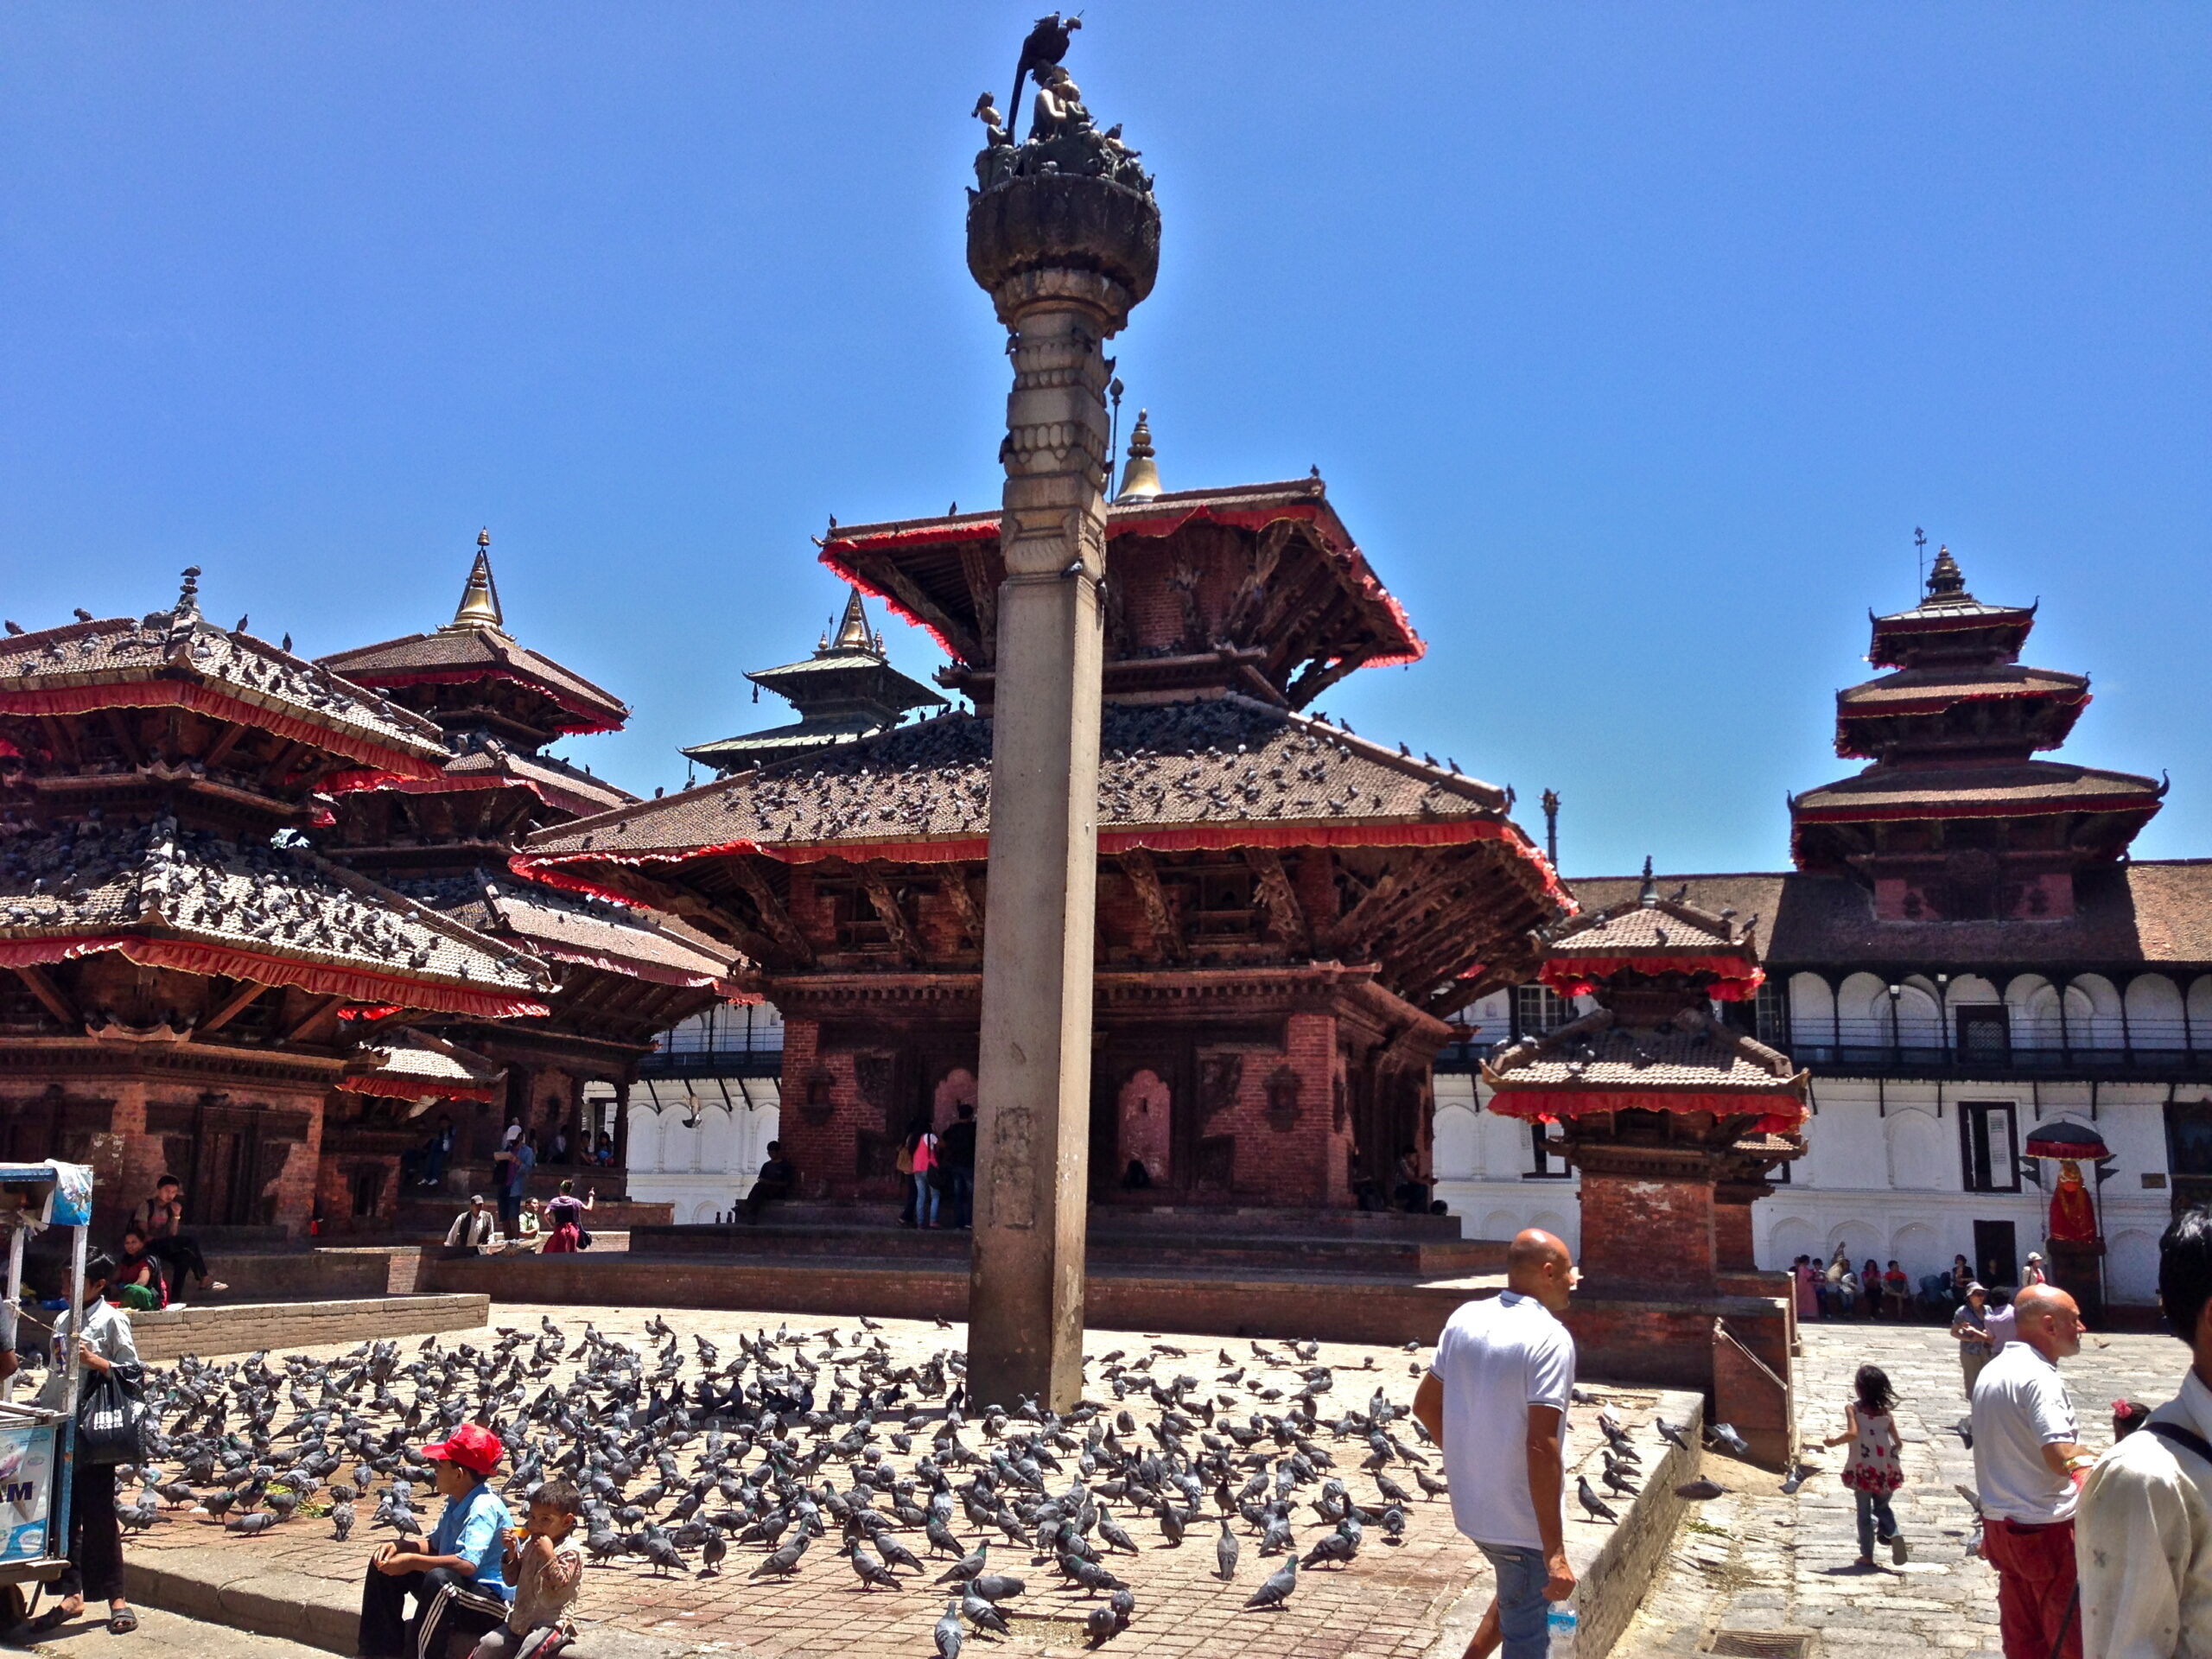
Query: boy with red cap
456	1575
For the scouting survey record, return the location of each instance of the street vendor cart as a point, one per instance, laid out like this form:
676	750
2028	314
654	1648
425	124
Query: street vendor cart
37	1446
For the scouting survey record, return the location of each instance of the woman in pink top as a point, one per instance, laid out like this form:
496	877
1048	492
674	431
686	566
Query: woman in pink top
1808	1298
925	1195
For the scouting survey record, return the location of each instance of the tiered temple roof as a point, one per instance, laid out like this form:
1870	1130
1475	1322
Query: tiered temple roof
623	974
1956	818
148	764
847	689
471	673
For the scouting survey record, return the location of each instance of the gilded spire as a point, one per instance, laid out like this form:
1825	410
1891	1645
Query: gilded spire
852	631
480	600
1945	579
1648	894
1140	479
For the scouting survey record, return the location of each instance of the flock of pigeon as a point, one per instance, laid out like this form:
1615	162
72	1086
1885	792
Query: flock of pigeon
807	1452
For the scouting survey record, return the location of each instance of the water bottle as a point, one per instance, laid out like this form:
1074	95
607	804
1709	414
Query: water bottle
1559	1626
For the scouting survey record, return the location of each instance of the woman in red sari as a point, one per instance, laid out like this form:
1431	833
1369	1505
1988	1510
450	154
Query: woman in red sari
566	1213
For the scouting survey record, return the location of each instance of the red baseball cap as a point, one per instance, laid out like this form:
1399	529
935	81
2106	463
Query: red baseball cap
472	1446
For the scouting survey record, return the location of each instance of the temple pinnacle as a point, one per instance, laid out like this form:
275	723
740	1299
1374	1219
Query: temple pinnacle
1140	479
852	630
1945	579
480	600
1648	894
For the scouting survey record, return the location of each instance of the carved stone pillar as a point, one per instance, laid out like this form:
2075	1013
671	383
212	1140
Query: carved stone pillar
1063	256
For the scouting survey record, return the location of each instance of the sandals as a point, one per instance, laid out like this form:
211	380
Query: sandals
121	1620
53	1619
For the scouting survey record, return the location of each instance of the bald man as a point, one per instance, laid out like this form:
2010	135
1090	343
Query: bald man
2026	1449
1495	1400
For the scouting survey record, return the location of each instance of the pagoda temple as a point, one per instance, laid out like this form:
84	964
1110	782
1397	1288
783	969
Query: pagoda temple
847	689
1673	1118
620	974
1955	820
187	981
1287	913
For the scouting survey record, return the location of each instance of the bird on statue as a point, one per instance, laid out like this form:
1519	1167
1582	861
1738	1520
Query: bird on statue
1047	44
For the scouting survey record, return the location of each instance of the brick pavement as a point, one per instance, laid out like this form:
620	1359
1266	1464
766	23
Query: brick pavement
1759	1561
1389	1604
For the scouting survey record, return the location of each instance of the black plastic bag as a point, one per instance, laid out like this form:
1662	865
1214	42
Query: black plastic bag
111	1420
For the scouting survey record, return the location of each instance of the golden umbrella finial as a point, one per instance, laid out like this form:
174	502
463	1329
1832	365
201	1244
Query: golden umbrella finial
480	600
1140	479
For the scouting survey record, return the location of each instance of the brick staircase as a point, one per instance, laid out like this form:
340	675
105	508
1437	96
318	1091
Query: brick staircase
1162	1238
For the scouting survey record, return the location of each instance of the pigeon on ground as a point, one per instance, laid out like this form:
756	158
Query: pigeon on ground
1591	1503
996	1586
948	1632
783	1563
1669	1433
983	1615
1099	1626
873	1572
968	1566
711	1553
341	1522
1276	1591
1700	1489
1226	1549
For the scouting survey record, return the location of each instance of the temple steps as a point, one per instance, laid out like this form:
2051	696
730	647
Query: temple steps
1168	1238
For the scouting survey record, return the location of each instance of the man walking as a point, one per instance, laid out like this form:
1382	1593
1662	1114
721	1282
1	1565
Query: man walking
2142	1535
1495	1402
2026	1447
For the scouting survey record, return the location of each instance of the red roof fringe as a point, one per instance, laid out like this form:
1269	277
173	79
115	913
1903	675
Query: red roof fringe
2030	807
1782	1112
447	783
593	720
217	705
234	964
1578	976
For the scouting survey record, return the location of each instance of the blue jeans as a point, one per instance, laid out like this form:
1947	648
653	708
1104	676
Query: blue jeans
1874	1507
925	1197
1522	1612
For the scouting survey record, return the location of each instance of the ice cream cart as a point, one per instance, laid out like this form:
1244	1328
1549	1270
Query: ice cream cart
37	1445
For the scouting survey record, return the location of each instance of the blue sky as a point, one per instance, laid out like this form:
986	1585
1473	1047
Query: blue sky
1633	340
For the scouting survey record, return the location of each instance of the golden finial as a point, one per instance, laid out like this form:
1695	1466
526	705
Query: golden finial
852	631
480	600
1140	479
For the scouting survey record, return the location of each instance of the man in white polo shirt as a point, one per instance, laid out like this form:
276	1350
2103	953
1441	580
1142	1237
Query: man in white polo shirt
2026	1447
1495	1402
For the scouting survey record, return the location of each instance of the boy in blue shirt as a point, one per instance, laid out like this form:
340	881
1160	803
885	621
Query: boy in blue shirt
456	1575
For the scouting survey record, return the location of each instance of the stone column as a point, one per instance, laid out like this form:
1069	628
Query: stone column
1064	256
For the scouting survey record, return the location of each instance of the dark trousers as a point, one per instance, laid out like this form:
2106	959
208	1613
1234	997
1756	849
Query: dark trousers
180	1256
963	1196
95	1569
757	1199
445	1606
511	1214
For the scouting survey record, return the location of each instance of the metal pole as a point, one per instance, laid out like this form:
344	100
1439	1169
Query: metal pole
65	1465
8	1320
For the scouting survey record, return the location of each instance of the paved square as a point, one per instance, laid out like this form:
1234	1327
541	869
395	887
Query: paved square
1390	1601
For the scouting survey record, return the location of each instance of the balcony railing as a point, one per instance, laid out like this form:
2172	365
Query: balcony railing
2098	1045
740	1060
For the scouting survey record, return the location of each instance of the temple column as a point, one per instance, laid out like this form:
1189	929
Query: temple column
1041	245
